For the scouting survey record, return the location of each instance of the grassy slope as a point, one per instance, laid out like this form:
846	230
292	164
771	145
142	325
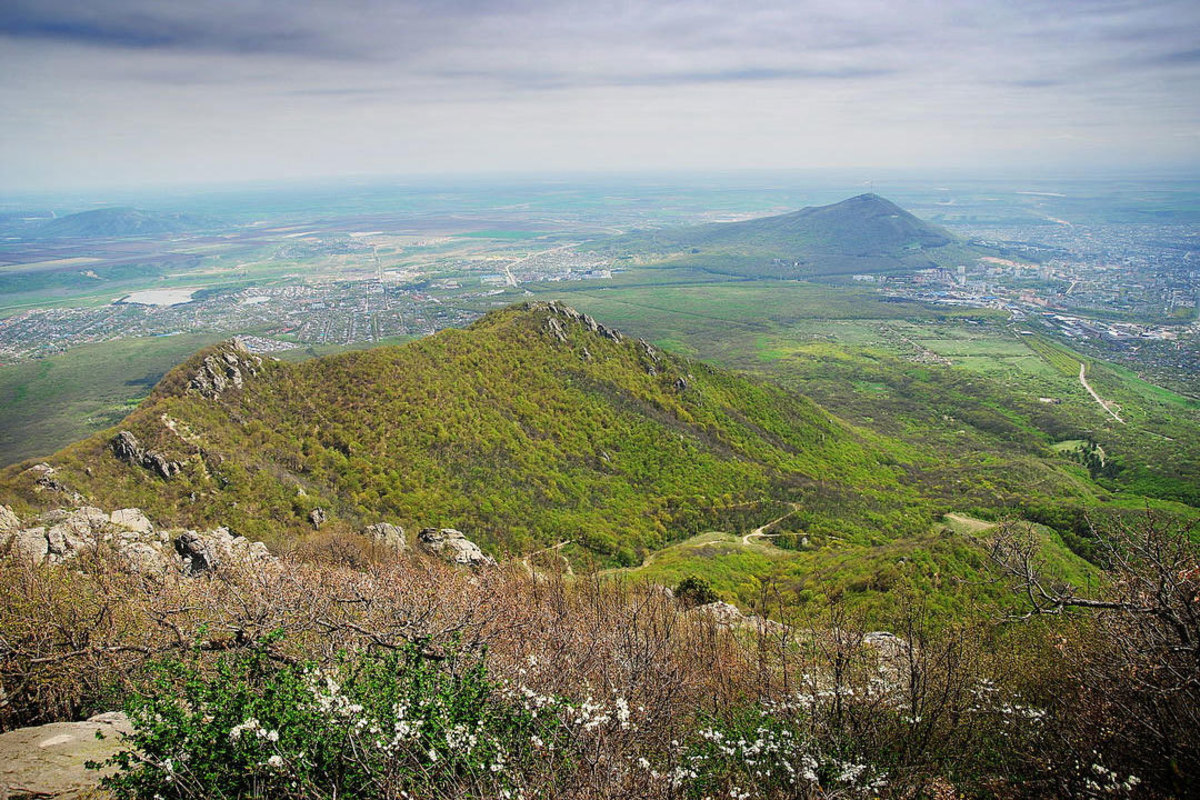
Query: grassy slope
53	401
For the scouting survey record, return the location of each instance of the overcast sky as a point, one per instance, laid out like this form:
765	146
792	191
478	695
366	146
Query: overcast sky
96	92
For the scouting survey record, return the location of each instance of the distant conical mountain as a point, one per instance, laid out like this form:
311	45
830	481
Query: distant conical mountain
867	233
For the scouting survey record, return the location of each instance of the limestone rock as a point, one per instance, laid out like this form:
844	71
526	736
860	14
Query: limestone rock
563	311
161	465
47	761
44	479
453	546
387	535
131	519
556	329
29	545
127	448
130	536
226	368
727	615
9	521
194	553
210	550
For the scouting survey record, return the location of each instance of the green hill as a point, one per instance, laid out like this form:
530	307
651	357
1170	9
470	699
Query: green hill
106	223
533	426
864	234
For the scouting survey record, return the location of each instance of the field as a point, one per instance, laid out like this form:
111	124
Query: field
55	400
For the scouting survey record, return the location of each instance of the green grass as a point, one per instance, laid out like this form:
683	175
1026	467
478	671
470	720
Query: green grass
48	403
1057	356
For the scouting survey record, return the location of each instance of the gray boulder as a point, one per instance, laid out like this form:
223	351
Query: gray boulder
48	761
9	521
127	448
387	535
62	534
28	545
453	546
131	519
204	552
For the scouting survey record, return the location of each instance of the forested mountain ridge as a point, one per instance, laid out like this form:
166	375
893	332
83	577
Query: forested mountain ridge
533	426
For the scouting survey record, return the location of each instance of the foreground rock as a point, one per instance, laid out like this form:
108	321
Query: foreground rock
63	535
48	761
454	547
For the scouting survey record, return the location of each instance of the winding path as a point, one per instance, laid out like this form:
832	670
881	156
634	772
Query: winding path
1096	397
759	531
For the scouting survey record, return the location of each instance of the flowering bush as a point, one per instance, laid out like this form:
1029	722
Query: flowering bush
385	724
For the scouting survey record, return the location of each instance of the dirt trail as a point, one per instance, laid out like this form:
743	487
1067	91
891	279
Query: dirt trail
1092	392
759	530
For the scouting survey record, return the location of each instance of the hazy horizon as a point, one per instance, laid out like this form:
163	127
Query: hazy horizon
132	92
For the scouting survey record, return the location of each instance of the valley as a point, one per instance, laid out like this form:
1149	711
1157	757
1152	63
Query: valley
838	456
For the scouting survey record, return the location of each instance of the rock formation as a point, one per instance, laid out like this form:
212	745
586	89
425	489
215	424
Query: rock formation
61	535
225	369
387	535
453	546
562	311
127	448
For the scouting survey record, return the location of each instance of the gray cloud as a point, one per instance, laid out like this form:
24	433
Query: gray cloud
571	83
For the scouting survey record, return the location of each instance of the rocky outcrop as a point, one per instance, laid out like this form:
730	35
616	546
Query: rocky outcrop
60	536
49	761
45	479
561	311
387	535
206	551
224	369
727	615
127	448
453	546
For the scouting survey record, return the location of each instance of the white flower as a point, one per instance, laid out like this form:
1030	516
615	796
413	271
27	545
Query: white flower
275	762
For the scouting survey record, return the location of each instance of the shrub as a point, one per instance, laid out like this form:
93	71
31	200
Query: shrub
376	725
695	591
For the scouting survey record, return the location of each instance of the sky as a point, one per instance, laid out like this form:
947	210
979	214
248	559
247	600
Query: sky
133	92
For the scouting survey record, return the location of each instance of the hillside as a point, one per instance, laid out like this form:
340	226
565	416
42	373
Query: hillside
533	426
866	234
106	223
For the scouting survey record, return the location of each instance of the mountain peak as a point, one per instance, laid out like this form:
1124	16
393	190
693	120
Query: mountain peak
864	233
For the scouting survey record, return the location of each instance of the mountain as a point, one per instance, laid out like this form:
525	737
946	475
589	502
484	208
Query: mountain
865	234
108	223
533	426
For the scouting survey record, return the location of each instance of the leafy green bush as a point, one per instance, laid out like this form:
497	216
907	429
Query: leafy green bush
694	591
376	725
